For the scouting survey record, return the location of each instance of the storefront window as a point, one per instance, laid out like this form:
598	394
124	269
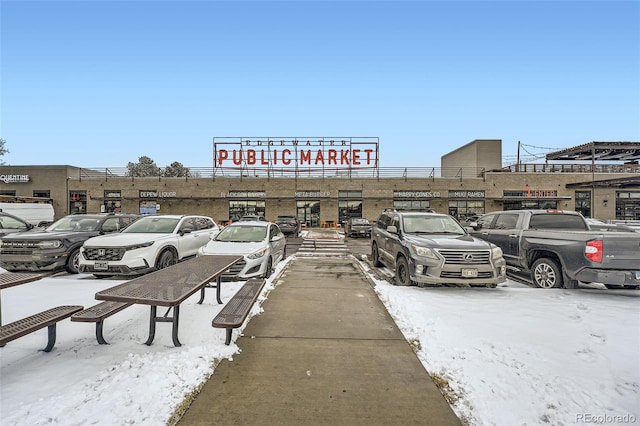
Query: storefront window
112	202
77	202
349	205
148	202
534	199
628	205
239	208
42	194
583	203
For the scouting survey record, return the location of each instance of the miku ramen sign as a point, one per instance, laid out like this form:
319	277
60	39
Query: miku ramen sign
295	152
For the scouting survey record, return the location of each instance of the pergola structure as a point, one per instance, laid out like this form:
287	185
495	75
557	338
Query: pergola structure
599	151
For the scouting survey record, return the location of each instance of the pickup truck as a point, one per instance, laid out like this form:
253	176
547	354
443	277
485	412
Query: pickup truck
559	249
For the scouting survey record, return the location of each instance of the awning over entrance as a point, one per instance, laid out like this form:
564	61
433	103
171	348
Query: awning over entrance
599	151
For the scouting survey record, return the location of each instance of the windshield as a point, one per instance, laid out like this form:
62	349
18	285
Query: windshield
152	225
285	220
421	224
75	223
242	234
360	221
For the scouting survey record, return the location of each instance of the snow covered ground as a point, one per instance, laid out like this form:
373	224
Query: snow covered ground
512	355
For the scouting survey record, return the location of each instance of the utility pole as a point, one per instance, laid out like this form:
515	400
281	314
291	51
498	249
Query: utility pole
518	158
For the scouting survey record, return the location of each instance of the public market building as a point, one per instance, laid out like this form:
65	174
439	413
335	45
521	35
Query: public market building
324	181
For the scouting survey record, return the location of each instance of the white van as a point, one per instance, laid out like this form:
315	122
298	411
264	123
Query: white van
38	214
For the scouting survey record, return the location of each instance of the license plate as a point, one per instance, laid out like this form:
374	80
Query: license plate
469	273
638	275
100	266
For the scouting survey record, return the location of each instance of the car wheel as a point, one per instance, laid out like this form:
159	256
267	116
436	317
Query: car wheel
267	271
545	273
403	276
166	259
73	262
375	256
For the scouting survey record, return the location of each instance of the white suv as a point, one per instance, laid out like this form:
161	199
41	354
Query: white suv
150	243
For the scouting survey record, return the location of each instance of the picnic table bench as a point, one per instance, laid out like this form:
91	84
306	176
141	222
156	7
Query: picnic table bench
98	313
48	318
233	314
169	287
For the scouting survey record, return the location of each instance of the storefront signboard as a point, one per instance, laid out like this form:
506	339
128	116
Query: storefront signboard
288	153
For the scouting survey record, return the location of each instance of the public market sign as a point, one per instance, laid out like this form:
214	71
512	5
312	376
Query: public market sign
295	153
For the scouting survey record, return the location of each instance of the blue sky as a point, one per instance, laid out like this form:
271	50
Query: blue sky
91	83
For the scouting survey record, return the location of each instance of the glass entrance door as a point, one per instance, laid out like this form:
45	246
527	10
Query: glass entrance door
308	212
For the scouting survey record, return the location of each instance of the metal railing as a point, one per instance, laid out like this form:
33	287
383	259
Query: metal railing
430	173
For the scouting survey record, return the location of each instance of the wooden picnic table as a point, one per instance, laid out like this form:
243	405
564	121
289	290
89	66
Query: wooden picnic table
170	287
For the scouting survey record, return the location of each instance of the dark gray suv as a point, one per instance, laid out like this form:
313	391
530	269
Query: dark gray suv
58	246
430	248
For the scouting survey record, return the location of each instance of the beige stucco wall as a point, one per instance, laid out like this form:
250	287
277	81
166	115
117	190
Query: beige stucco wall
210	196
480	154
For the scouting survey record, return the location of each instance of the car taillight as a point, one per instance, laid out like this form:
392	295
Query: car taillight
593	250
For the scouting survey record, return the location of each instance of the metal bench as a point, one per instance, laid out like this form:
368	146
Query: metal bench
237	308
48	318
97	314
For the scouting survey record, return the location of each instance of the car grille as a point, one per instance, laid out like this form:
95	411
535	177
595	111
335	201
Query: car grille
234	270
19	247
110	253
458	274
466	257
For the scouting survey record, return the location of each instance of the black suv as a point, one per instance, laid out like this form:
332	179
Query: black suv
58	246
289	225
430	248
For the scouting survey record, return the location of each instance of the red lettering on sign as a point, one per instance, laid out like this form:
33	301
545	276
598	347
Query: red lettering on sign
344	157
356	157
223	154
332	156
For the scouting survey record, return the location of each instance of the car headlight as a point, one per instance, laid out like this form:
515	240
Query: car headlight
49	244
425	252
258	254
496	253
138	246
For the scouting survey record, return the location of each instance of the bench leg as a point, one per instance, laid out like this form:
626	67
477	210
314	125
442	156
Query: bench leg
174	331
218	282
227	341
217	287
152	326
99	337
51	331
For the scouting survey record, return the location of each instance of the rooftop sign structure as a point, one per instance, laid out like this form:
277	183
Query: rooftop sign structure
295	153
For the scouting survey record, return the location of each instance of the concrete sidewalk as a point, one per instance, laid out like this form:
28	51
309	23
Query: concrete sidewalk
324	351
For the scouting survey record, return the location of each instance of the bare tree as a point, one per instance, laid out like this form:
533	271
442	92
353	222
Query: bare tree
144	167
3	150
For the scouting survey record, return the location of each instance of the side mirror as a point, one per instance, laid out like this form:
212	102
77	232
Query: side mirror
475	226
392	229
185	231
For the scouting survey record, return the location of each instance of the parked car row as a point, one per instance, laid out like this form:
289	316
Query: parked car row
119	244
